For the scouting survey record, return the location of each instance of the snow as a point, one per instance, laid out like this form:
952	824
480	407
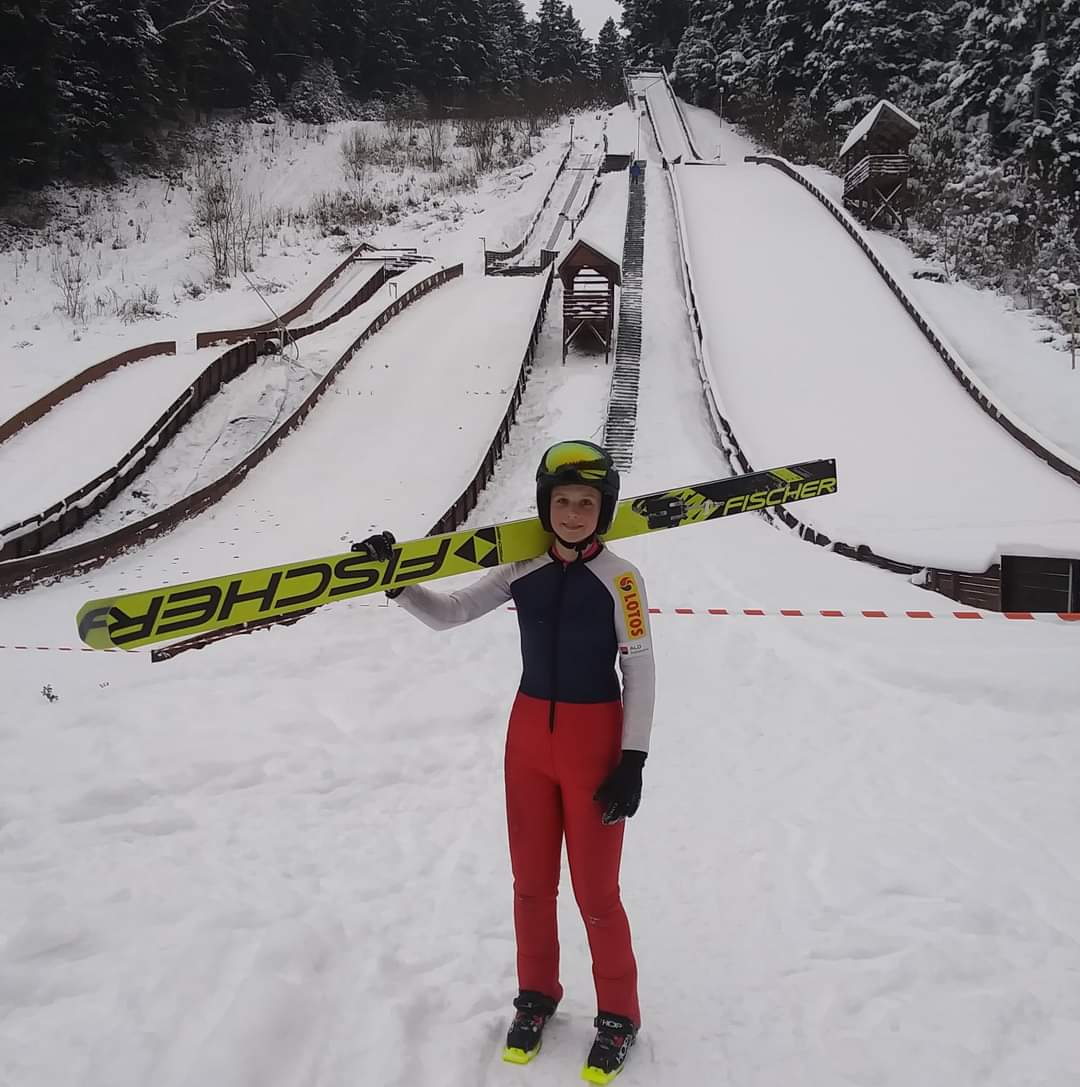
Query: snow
282	860
109	416
663	111
839	369
1005	347
246	411
587	239
868	122
622	131
287	164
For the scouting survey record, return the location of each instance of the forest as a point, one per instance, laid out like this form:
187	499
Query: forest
89	85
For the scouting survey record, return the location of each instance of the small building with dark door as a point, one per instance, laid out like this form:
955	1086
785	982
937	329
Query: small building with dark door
589	277
877	165
1039	583
1048	583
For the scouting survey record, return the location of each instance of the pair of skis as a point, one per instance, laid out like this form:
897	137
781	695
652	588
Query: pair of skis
275	593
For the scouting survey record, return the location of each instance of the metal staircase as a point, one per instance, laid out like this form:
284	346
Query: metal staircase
621	424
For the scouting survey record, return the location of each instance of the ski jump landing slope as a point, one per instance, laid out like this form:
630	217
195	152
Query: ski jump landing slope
413	412
810	354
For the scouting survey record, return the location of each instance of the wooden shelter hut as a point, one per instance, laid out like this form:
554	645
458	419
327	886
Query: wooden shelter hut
589	278
876	165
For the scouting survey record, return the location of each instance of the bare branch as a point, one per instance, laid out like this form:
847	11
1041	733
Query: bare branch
193	15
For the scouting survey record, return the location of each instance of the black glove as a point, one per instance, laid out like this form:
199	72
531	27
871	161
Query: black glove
379	548
620	795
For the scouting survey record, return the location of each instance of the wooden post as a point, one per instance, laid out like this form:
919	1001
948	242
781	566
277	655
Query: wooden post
1074	345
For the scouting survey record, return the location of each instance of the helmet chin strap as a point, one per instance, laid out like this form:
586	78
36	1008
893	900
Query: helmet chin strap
580	547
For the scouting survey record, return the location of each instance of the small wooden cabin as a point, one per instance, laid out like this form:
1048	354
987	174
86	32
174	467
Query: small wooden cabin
877	165
589	278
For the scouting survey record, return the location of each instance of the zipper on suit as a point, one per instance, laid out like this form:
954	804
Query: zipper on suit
555	647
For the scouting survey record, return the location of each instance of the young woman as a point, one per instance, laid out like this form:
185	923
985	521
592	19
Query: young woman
575	744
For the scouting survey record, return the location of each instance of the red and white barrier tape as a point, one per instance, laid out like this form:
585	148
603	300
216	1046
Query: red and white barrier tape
67	649
1067	616
785	613
825	613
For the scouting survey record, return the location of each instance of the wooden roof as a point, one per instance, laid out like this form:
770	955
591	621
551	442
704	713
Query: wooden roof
583	255
886	128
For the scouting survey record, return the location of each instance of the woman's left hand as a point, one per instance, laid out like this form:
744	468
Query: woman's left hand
620	795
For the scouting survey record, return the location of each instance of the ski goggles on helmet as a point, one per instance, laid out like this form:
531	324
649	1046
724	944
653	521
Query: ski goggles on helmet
587	461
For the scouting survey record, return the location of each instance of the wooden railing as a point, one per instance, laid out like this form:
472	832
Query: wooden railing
20	574
874	166
1058	459
32	412
466	501
235	335
943	580
492	257
453	518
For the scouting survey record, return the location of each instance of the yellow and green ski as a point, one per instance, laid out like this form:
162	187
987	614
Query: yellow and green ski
276	592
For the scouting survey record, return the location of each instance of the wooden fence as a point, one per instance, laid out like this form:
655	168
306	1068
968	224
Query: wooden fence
23	573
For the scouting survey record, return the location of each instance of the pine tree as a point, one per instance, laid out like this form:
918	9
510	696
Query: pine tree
453	45
654	29
511	59
980	85
554	54
27	94
736	36
261	107
693	72
790	32
866	48
317	97
108	78
384	60
610	61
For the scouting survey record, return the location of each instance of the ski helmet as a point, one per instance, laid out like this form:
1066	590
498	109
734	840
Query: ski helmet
581	463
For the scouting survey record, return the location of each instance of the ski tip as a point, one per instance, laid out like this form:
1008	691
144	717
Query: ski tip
513	1055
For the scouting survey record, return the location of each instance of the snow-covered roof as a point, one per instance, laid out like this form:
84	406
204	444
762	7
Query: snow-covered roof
893	113
598	249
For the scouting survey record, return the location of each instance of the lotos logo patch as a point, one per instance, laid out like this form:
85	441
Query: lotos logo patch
631	606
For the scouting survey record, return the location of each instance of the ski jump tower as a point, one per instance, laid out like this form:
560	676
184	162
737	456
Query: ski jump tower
877	165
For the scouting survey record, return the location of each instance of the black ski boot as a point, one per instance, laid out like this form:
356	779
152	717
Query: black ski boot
526	1031
615	1035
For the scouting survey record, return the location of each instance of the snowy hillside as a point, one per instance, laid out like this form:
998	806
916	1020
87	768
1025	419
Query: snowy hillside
282	860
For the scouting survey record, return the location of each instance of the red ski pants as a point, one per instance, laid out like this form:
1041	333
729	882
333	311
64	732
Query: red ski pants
551	776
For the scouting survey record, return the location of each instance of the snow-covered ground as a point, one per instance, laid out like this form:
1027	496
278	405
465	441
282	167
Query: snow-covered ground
812	356
288	165
245	412
111	414
282	860
43	462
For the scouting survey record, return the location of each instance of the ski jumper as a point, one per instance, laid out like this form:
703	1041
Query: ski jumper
568	726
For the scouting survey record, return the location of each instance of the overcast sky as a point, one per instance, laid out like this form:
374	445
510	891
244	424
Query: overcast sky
592	14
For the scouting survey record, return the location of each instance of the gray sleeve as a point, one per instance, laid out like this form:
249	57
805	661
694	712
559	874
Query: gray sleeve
634	633
441	611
